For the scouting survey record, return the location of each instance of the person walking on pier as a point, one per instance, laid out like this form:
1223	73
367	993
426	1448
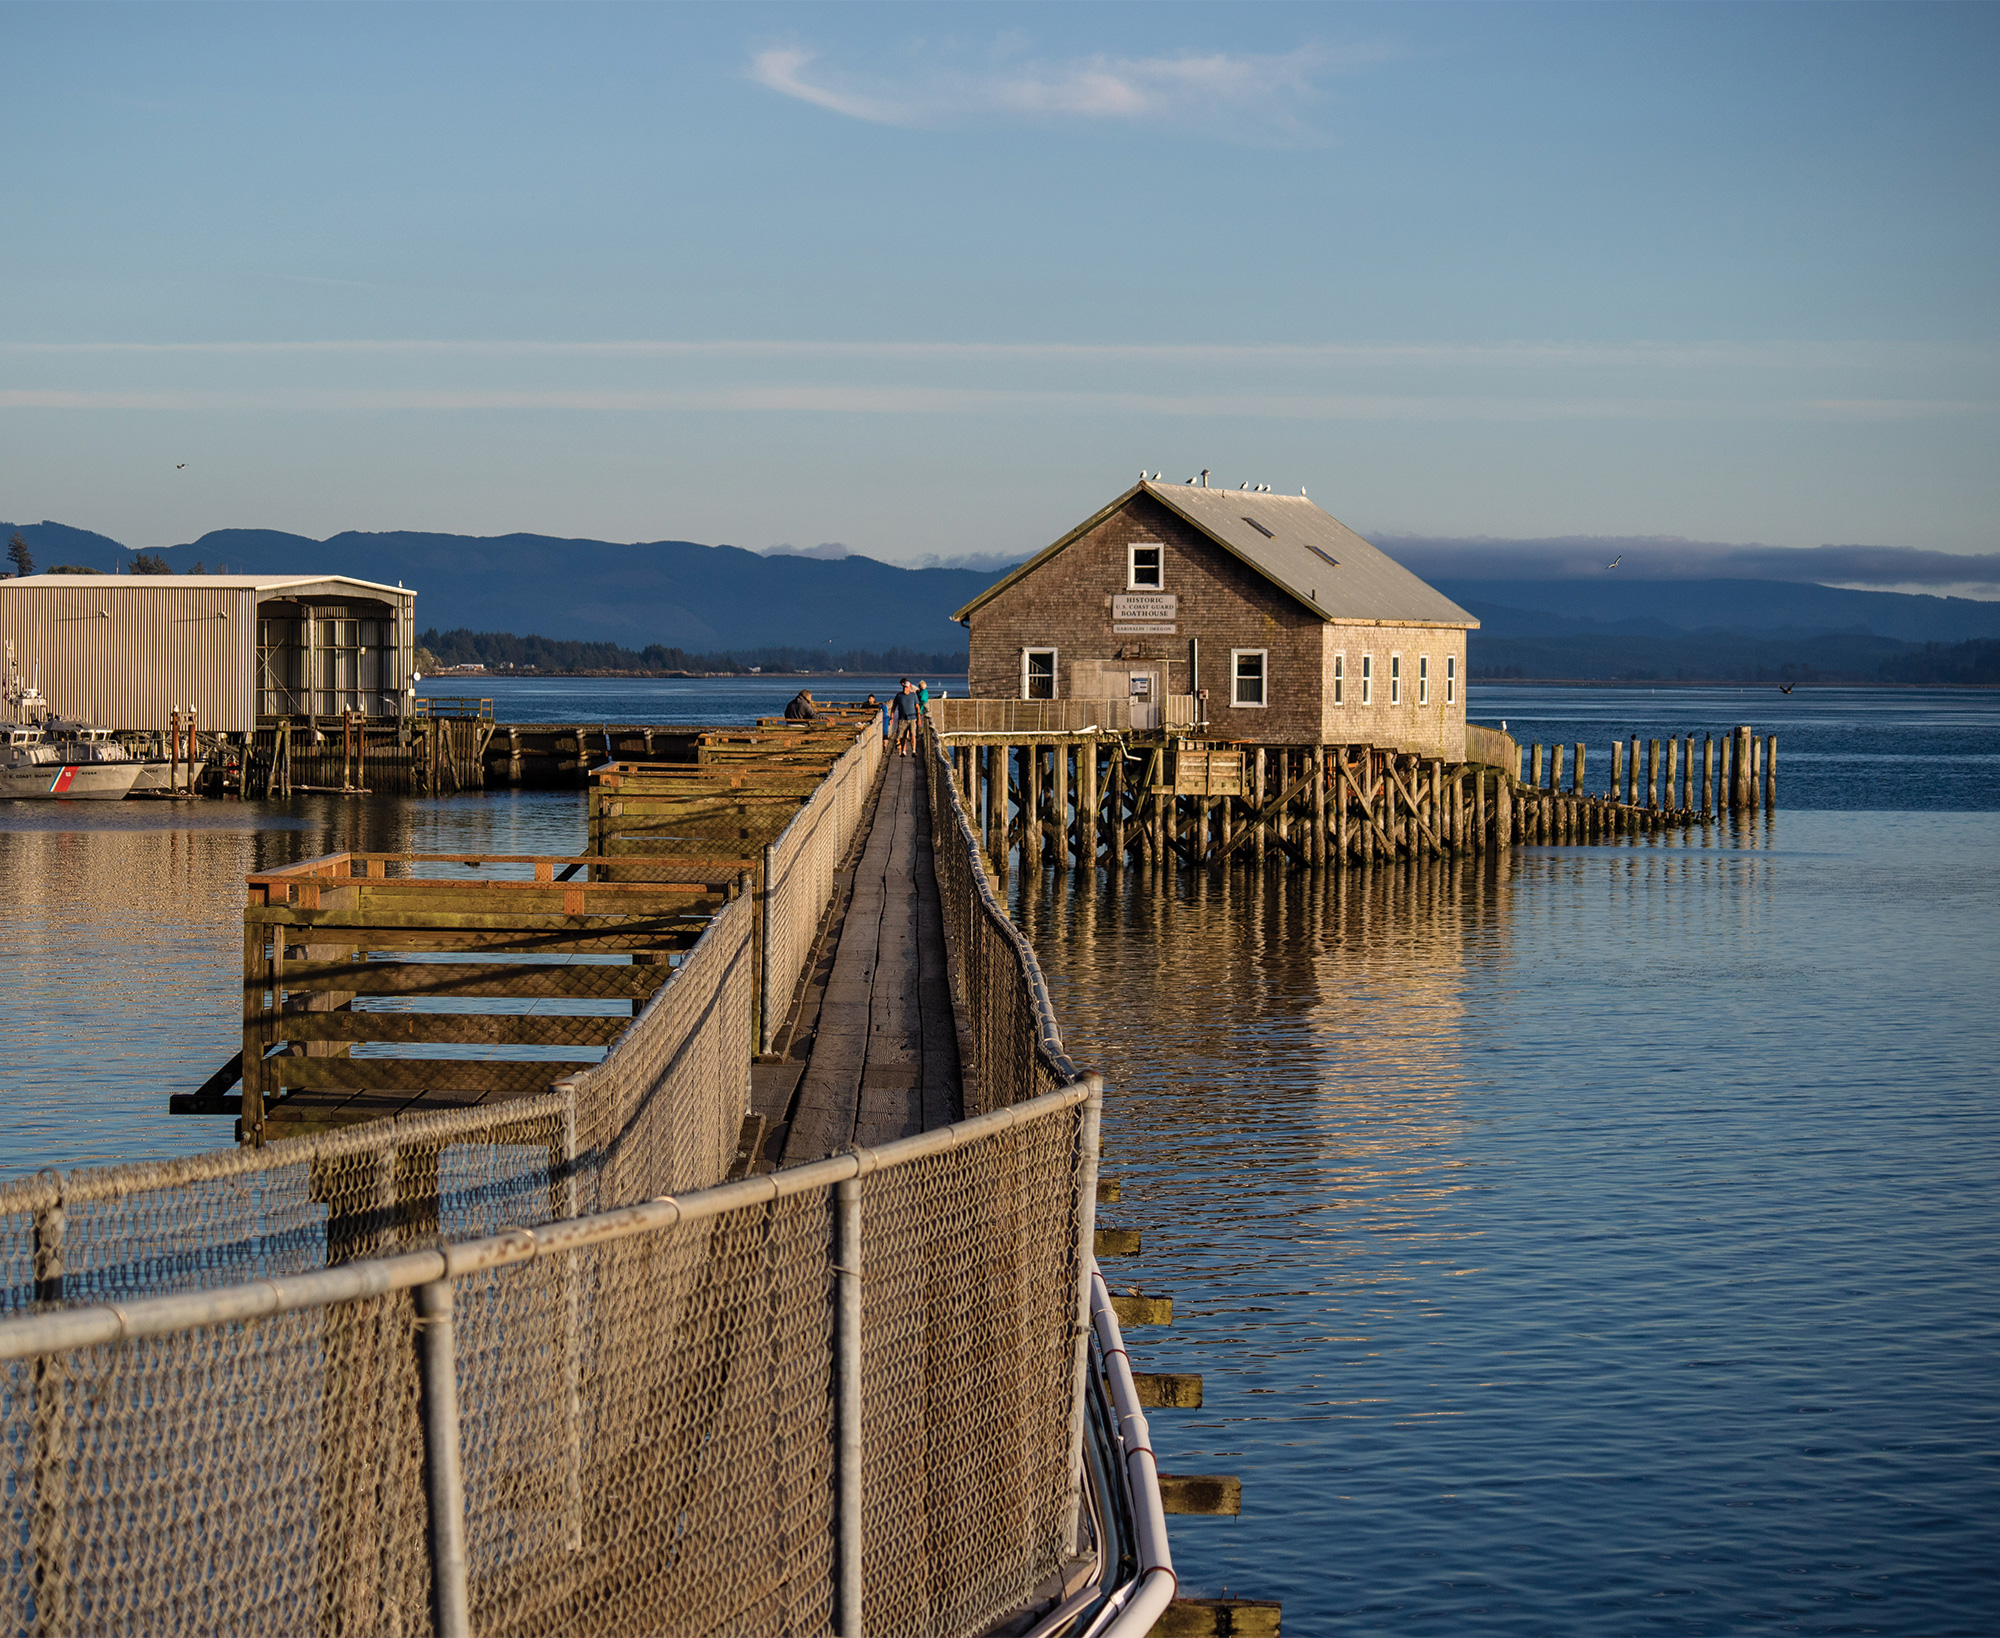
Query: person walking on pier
908	706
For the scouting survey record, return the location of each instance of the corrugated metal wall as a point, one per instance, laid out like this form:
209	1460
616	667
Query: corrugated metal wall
126	655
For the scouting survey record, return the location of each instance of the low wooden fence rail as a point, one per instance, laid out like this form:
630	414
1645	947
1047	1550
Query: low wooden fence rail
497	980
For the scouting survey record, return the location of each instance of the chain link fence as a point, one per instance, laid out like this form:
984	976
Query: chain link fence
851	1389
1014	1051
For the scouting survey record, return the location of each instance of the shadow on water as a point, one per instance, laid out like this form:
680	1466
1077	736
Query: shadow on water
1546	1228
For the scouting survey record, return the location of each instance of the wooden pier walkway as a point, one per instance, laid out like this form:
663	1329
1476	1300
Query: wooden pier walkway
870	1051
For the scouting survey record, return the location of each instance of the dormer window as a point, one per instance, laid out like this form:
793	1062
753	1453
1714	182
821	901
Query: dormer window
1145	572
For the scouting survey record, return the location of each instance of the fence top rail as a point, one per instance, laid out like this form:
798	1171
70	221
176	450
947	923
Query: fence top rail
50	1187
63	1330
359	868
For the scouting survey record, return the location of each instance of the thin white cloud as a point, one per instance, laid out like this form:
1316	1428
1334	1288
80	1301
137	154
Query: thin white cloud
1506	355
905	400
1248	94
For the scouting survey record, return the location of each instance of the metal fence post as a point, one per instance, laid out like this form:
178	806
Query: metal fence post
767	1028
50	1513
847	1408
1086	1262
444	1480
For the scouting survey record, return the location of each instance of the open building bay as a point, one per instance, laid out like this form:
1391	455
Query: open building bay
1595	1241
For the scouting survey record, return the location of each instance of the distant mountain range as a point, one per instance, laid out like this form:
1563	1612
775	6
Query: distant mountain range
721	600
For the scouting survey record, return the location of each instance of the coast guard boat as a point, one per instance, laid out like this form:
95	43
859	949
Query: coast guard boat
36	763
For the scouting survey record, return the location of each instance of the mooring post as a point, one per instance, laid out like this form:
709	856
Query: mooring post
444	1480
1257	805
1535	778
1739	759
1771	773
1756	771
1632	776
848	1544
1617	770
1555	768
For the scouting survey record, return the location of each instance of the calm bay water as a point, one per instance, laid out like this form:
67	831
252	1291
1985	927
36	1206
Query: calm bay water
1598	1243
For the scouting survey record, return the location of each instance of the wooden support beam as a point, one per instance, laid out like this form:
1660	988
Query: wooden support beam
1137	1308
1110	1191
1111	1242
1201	1495
1218	1618
1167	1390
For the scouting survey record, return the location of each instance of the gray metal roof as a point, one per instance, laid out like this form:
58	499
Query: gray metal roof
210	582
1317	559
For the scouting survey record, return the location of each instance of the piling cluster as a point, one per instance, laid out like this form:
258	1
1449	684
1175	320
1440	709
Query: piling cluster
1095	799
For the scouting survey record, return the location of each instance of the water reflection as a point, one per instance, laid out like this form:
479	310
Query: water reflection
122	930
1543	1228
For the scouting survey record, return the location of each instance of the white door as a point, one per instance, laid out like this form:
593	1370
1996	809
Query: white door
1145	687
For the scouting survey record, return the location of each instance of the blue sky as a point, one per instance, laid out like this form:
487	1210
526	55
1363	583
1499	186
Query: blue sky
937	280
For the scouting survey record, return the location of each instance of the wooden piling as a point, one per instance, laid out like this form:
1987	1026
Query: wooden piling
1576	777
1771	773
1617	769
1632	776
1317	852
1535	778
1086	812
1555	767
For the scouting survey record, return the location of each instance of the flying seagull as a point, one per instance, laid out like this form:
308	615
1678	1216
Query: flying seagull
1785	688
182	467
1620	558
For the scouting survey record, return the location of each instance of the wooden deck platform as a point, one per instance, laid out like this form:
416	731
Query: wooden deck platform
870	1051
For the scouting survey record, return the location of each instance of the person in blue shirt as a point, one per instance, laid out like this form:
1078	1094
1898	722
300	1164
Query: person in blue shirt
908	709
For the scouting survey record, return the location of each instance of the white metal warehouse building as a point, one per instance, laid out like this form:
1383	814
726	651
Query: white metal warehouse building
124	651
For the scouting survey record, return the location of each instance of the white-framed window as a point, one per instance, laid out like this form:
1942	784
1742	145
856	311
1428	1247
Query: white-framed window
1038	673
1340	679
1423	679
1367	679
1145	566
1395	679
1248	682
1451	679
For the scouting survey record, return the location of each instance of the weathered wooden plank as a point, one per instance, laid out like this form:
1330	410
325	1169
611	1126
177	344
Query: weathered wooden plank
468	980
1218	1618
1113	1242
1201	1495
1110	1190
496	1077
1136	1308
457	1028
1167	1390
328	922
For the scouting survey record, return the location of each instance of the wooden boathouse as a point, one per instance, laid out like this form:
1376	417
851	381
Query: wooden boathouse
1232	614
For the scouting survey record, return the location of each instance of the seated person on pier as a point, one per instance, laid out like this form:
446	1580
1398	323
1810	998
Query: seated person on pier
801	708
